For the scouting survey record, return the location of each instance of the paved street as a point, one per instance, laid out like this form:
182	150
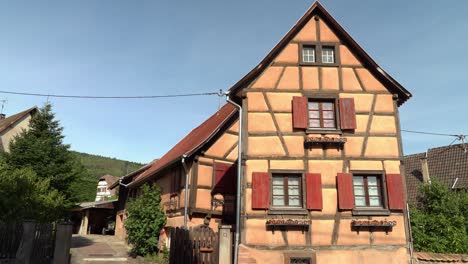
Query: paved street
99	249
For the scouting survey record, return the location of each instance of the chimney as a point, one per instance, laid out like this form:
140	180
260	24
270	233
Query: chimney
425	170
2	116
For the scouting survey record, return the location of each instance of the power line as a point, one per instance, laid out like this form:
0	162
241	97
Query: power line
431	133
109	97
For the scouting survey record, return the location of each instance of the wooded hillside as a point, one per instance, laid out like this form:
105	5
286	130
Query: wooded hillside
99	165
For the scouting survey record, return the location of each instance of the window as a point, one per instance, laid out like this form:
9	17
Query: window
322	114
299	261
367	191
328	55
287	190
317	53
308	53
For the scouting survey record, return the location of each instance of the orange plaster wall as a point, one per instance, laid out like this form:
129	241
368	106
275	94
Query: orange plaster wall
221	147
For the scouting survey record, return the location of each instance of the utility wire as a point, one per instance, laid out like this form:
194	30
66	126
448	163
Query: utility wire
430	133
109	97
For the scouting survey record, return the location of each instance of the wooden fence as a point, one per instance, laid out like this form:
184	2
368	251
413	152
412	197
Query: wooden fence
35	243
196	245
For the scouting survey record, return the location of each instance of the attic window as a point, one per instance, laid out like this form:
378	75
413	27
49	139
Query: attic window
328	55
308	53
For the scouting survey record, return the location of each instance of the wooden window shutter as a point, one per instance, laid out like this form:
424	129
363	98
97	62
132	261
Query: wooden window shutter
260	190
299	109
225	178
396	192
314	191
347	113
345	191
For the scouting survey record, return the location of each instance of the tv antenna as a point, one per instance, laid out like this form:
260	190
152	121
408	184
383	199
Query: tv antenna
3	104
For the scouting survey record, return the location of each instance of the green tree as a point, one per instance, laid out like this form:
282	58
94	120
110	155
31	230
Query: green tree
41	149
145	220
26	196
439	220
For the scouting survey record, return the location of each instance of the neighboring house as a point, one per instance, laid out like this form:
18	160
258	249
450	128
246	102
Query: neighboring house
320	164
13	125
447	164
103	190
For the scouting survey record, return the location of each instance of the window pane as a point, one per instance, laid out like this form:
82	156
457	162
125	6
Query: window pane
373	190
327	106
374	201
278	190
294	201
278	181
328	55
359	190
313	114
314	123
278	200
372	181
328	115
313	106
329	123
293	181
293	190
308	54
359	201
358	180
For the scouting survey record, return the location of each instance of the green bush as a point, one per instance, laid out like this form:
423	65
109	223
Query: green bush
439	220
145	220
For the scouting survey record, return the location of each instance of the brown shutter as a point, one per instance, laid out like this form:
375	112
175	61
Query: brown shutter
314	191
395	191
347	113
299	109
260	190
345	191
224	178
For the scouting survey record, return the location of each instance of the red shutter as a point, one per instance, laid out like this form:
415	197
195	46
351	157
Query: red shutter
260	190
396	192
314	191
347	113
345	191
224	178
299	109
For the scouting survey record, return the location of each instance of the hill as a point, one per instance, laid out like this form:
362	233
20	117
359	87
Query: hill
99	165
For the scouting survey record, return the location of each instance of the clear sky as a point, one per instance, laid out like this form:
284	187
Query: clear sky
114	47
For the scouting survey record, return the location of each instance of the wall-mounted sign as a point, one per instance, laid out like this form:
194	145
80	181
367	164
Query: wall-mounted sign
325	141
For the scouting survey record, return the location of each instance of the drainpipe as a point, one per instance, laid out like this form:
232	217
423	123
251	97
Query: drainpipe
239	174
186	189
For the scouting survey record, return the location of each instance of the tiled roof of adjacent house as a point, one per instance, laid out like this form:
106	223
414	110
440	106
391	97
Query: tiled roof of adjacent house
190	143
448	164
429	258
7	122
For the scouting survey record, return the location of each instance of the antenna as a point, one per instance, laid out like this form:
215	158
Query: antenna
220	94
3	104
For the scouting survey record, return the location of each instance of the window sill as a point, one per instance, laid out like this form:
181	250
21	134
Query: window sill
371	212
324	131
318	64
287	211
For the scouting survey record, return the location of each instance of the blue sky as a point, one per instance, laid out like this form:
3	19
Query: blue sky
113	47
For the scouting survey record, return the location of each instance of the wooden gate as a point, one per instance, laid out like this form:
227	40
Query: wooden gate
10	239
44	241
196	245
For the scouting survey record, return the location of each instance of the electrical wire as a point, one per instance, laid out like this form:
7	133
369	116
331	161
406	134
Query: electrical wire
430	133
109	97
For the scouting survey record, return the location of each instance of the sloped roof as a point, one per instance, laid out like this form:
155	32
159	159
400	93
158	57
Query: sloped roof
429	258
132	174
446	164
109	178
318	9
190	143
9	121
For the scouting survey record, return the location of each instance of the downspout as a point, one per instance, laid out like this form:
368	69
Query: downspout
186	189
239	174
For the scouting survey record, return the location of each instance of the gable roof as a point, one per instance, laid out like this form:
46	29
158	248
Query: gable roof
9	121
429	258
132	175
190	143
318	9
446	164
